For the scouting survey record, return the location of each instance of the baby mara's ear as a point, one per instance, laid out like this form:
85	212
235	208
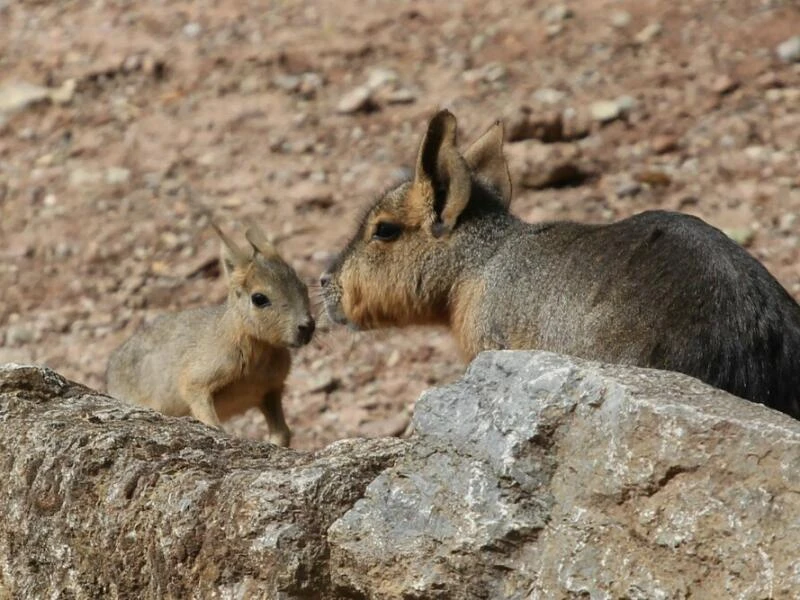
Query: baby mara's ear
442	186
485	159
259	242
233	257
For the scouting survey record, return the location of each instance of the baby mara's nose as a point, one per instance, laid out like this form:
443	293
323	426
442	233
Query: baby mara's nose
305	331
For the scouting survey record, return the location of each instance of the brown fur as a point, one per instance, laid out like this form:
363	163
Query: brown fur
213	363
658	289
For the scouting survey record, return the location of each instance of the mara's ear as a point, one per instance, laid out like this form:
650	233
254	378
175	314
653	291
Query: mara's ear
231	255
442	186
259	242
485	158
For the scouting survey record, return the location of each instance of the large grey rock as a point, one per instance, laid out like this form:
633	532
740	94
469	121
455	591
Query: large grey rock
536	476
103	500
540	476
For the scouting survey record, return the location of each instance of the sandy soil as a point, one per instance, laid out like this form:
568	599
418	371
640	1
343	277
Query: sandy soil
122	123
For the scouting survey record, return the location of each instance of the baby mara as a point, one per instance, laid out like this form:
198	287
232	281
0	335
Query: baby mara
213	363
659	289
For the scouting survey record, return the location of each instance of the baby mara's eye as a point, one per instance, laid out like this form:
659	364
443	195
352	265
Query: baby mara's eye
387	232
259	300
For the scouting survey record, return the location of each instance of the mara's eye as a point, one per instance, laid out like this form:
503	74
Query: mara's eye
259	300
387	232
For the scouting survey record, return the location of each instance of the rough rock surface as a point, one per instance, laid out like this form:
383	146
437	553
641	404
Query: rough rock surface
102	500
539	476
535	476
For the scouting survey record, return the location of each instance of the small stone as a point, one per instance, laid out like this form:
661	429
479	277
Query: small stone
192	30
65	93
741	235
664	143
577	123
770	80
524	125
724	84
170	240
549	96
535	165
620	19
79	177
557	13
132	63
45	160
310	84
494	72
288	83
380	77
787	223
654	178
789	50
649	33
401	96
628	189
117	175
757	153
604	111
626	103
554	29
357	100
21	95
307	195
324	384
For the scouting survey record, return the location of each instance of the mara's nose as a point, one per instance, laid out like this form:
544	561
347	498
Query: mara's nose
306	331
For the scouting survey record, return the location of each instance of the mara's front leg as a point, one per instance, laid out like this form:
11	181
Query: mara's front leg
200	401
271	406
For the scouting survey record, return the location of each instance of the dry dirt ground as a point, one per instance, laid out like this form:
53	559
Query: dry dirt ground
122	122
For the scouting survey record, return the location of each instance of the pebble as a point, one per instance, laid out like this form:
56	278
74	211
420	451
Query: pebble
628	189
654	178
490	73
724	84
380	77
192	30
741	235
79	177
288	83
524	124
789	50
557	13
324	383
549	96
401	96
117	175
664	143
604	111
356	100
649	33
21	95
65	93
620	19
626	103
577	124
